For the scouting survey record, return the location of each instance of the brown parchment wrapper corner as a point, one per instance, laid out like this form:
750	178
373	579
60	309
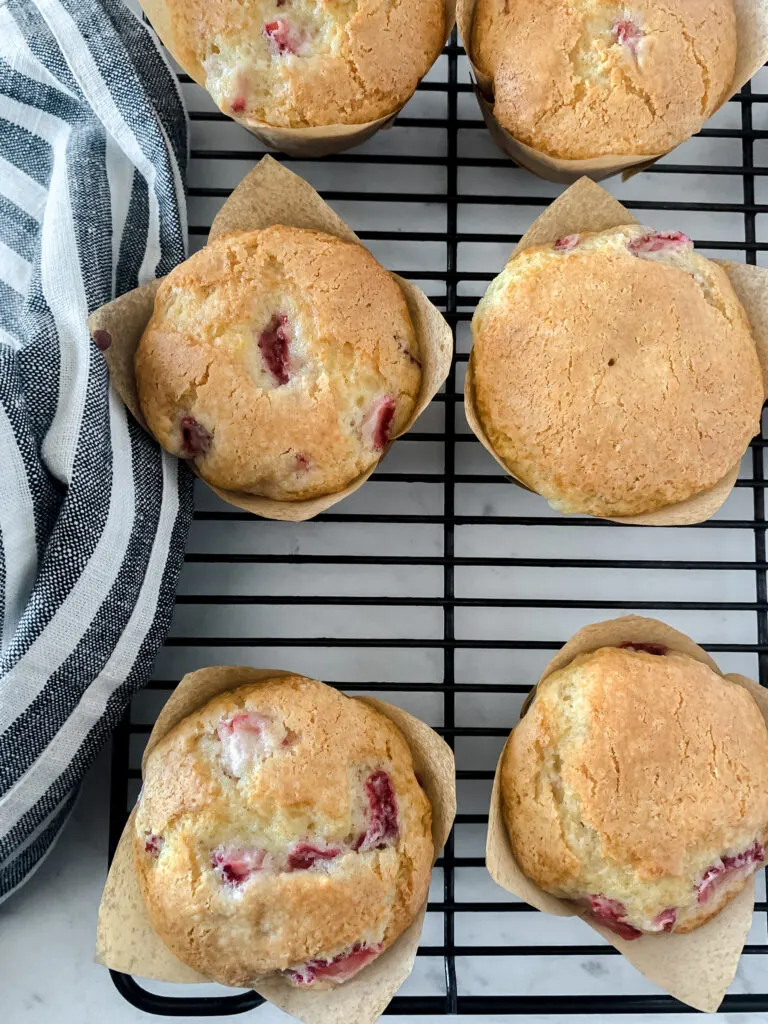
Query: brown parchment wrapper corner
271	194
751	54
586	206
696	968
313	142
126	941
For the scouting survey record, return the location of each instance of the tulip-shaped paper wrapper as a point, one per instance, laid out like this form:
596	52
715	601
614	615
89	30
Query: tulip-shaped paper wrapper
126	941
584	207
269	195
313	141
751	54
696	968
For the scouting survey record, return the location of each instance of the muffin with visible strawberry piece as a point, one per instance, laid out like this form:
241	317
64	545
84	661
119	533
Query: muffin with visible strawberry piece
615	372
298	64
282	831
281	362
636	785
594	78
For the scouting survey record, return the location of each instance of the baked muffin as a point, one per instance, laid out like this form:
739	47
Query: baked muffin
295	64
637	786
281	830
280	361
596	78
615	372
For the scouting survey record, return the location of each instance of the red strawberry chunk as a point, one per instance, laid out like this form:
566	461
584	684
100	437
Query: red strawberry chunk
382	808
714	876
237	106
339	969
666	920
628	34
305	855
658	241
153	844
566	243
283	37
613	915
244	741
378	422
632	645
235	865
195	439
273	345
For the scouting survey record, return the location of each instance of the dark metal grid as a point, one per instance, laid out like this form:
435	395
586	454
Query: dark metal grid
452	1002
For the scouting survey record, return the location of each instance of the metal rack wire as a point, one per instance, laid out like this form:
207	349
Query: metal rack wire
437	588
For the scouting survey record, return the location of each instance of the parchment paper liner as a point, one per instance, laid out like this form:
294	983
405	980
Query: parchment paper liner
126	941
271	194
586	206
751	54
319	141
696	968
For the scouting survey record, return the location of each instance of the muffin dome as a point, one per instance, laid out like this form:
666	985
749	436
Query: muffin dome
615	373
596	77
280	361
637	785
281	829
292	63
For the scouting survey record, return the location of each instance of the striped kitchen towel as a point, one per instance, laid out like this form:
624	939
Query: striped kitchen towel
93	516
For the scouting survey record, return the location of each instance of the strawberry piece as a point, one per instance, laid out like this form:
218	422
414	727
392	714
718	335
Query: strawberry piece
273	345
195	439
666	920
628	34
613	915
245	740
305	855
382	809
282	36
378	422
631	645
658	241
153	844
235	865
237	106
714	876
566	243
339	969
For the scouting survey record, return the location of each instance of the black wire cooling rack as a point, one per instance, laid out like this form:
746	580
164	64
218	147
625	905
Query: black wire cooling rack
457	585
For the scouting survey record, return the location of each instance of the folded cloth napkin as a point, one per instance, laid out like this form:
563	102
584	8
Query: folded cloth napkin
93	516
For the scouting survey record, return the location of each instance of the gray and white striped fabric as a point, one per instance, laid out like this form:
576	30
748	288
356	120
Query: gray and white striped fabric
93	516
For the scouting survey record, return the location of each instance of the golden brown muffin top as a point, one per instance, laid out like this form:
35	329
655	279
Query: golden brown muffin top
591	78
295	63
637	784
281	361
281	828
615	372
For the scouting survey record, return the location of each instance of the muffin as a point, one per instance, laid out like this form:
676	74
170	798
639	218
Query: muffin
615	372
281	362
297	64
637	786
281	831
597	78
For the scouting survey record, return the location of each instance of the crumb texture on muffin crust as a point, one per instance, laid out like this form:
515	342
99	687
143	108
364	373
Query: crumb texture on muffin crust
595	77
615	372
637	786
281	829
281	361
302	63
